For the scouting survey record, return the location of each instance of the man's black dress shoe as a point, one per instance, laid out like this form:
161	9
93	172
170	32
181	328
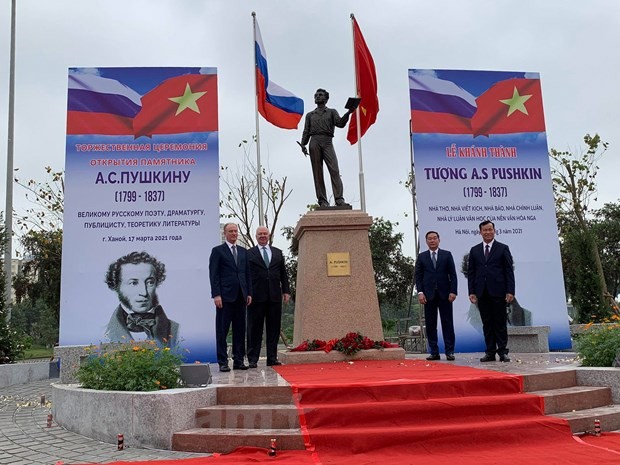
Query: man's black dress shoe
504	358
450	357
240	367
252	365
433	357
488	358
274	364
224	368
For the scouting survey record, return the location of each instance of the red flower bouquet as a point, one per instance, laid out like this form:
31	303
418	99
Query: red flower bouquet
348	345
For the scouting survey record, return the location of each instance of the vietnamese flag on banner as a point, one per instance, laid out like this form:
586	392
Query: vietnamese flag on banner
178	105
510	106
366	78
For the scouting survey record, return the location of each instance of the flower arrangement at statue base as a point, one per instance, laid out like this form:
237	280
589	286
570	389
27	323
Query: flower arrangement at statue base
350	344
131	366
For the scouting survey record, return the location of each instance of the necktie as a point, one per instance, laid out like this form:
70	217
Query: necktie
486	252
434	258
234	251
141	323
266	257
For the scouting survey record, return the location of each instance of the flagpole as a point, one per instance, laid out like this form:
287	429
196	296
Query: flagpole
259	174
415	220
8	211
359	128
413	194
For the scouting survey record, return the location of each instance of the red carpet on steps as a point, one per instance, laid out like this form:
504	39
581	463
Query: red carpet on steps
411	412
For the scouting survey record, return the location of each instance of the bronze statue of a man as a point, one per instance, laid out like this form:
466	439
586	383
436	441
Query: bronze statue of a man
319	131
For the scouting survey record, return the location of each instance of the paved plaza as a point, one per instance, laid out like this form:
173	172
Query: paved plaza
25	438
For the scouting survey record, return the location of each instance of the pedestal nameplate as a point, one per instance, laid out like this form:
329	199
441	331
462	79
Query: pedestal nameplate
338	264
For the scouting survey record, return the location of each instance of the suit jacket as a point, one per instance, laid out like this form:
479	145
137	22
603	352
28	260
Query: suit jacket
268	284
228	277
164	330
495	273
441	280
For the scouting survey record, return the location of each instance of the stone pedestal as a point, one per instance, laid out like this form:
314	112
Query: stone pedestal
328	307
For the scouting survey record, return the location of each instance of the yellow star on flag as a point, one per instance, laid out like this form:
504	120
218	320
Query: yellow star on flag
517	102
187	100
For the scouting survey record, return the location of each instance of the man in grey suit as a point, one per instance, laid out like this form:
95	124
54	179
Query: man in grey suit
270	287
491	283
436	281
231	289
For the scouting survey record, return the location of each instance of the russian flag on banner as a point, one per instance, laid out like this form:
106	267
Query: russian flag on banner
98	105
277	105
439	106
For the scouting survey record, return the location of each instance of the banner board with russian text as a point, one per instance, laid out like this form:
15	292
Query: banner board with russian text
480	153
141	207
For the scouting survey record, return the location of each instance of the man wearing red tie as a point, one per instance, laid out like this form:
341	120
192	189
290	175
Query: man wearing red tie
436	282
270	287
491	283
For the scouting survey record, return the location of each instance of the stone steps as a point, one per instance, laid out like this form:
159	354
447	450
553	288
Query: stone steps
579	405
279	416
582	421
253	415
574	398
226	440
254	395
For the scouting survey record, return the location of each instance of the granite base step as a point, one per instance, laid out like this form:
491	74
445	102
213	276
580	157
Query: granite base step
279	416
226	440
573	398
582	421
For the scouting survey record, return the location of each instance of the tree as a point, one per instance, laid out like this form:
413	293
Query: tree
606	227
240	199
12	343
393	270
47	199
574	186
37	287
40	275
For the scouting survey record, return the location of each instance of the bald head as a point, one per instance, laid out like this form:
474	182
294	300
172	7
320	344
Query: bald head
262	235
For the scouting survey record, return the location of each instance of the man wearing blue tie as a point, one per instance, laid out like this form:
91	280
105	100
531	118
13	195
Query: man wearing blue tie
231	289
491	283
436	281
270	287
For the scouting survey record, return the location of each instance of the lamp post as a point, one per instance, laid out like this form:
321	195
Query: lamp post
8	211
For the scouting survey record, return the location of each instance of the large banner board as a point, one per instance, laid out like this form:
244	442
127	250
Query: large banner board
480	153
141	207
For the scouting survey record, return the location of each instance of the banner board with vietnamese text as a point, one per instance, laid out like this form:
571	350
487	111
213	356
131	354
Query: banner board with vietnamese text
480	153
141	207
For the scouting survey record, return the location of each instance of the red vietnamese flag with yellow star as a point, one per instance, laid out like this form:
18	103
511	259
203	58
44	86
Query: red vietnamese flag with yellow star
366	82
178	105
510	106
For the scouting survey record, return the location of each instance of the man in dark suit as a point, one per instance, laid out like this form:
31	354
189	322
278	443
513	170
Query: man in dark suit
269	287
436	281
231	289
491	283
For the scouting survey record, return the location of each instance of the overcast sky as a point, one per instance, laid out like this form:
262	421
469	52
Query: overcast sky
573	45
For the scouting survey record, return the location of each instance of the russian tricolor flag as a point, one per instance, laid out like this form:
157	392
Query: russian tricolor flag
98	105
439	106
277	105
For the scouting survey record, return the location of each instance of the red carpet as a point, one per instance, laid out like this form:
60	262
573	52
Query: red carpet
418	412
412	412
